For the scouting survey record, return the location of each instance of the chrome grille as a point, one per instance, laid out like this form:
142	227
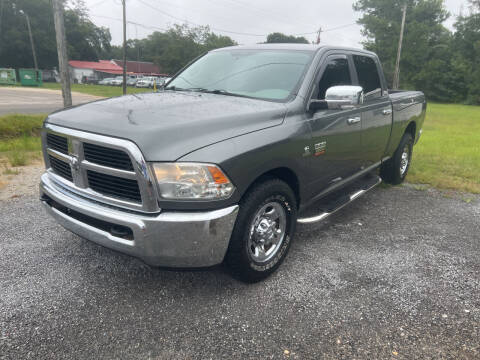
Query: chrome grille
58	143
114	186
106	156
101	168
61	168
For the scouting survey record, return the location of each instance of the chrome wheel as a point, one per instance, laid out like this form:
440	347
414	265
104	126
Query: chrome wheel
267	232
404	160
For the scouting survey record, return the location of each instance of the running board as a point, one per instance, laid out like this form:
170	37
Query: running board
341	202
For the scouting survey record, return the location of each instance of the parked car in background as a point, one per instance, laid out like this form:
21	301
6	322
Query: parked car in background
89	80
118	81
223	163
132	80
145	82
106	81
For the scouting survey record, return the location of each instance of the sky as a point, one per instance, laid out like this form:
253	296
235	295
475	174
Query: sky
245	21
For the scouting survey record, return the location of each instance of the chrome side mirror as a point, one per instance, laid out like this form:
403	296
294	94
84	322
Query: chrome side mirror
339	97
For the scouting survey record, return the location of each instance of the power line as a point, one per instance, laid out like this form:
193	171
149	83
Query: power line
98	3
213	28
234	32
195	24
150	27
261	10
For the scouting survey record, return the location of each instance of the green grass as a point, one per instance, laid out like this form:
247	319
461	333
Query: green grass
16	125
448	153
446	157
8	171
19	138
97	90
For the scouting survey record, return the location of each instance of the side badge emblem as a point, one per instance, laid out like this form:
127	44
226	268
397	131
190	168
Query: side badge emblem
320	148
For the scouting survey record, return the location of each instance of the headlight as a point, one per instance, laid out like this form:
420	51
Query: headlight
190	181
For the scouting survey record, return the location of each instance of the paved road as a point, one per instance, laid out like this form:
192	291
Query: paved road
35	101
394	275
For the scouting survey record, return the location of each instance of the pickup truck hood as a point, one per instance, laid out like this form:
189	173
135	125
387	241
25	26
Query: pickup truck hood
168	125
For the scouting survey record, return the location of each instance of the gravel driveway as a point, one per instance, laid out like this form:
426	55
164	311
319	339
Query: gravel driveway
394	275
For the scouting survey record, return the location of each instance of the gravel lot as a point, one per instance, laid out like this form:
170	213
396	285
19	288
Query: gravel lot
394	275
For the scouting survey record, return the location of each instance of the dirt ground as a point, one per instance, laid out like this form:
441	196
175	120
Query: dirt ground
20	181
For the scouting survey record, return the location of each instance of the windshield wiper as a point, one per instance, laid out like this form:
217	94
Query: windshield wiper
175	88
204	90
222	92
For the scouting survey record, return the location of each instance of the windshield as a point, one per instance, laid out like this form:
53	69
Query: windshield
263	74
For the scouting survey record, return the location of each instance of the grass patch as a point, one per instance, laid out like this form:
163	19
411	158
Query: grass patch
448	153
446	157
9	171
97	90
17	158
16	125
20	142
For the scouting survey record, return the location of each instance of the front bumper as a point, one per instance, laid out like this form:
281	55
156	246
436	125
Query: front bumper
170	238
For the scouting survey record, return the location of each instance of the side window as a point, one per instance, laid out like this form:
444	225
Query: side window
367	73
336	73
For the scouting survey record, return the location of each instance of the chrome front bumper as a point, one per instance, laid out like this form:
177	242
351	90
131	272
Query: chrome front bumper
169	238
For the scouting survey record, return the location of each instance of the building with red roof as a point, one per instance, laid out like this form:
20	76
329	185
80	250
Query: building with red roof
141	67
85	71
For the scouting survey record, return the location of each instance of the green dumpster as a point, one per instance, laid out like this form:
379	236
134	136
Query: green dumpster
30	77
7	76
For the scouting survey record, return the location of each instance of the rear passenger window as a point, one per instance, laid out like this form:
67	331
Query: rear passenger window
367	73
336	73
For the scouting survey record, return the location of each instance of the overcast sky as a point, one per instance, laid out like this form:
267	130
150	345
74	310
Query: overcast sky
246	21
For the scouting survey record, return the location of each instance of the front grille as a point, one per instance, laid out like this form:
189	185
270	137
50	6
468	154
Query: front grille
100	168
105	156
114	186
57	142
61	168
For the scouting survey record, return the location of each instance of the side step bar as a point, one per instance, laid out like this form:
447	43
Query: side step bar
340	203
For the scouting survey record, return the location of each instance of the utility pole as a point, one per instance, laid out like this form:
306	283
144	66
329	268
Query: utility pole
319	34
396	78
124	48
62	52
1	14
31	39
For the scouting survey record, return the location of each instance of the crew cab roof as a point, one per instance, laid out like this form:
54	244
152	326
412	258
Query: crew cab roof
293	47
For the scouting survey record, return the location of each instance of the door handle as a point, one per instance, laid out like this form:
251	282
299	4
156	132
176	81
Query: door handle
387	112
354	120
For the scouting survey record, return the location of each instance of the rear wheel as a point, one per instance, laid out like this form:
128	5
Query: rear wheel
396	168
263	231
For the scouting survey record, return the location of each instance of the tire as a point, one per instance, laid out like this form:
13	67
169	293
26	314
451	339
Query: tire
395	169
256	247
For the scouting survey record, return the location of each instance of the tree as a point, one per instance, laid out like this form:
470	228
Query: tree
424	31
282	38
467	45
173	49
85	40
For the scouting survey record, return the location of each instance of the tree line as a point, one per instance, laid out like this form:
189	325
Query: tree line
442	63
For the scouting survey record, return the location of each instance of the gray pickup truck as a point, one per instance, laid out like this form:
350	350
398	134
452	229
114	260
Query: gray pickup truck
238	147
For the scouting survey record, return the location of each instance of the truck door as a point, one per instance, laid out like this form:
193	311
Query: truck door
336	144
376	110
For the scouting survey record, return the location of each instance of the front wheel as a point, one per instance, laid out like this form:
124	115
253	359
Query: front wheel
396	168
263	231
